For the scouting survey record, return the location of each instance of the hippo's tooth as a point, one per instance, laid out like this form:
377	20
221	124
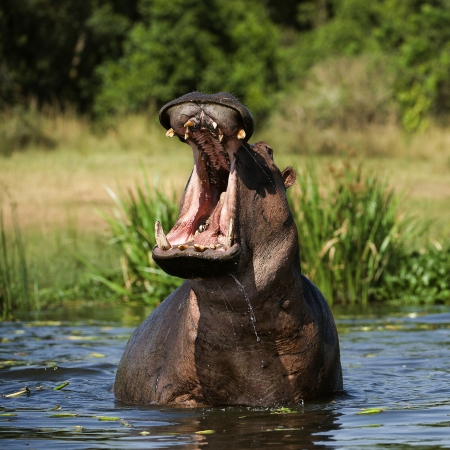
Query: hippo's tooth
189	123
214	124
199	248
170	133
220	137
241	134
212	246
161	240
186	135
230	232
183	247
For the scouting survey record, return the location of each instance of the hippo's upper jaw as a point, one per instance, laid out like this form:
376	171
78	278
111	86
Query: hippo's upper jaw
204	242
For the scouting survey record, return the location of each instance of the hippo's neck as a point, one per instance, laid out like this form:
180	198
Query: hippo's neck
233	305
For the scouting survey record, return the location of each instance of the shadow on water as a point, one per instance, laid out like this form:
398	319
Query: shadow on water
396	372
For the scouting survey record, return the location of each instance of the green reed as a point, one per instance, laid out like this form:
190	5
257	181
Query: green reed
132	228
350	232
14	288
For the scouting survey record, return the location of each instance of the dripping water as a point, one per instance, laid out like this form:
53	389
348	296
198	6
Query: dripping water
250	308
225	300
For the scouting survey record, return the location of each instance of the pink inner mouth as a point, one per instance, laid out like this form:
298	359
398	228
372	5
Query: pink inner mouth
207	210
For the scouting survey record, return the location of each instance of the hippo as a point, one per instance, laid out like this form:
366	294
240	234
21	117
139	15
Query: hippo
246	327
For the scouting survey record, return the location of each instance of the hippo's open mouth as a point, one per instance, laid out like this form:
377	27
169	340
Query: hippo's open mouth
204	242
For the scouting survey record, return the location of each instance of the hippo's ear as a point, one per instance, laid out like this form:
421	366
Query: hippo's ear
289	176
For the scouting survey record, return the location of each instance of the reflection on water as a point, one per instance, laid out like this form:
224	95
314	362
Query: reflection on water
396	374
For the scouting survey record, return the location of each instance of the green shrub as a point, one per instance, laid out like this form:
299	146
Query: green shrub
348	234
415	35
21	128
186	45
420	277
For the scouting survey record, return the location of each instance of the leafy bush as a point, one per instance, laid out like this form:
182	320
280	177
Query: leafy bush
420	277
20	128
348	234
415	35
132	227
186	45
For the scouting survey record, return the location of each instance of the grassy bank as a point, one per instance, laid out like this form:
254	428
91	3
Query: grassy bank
59	189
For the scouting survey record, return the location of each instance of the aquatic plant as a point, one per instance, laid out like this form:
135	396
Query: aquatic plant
421	277
14	290
349	232
132	228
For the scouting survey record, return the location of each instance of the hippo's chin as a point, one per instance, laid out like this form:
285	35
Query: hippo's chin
191	264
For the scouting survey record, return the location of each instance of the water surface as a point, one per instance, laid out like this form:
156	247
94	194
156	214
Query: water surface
396	374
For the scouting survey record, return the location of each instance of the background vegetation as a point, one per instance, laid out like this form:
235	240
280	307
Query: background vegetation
108	56
80	85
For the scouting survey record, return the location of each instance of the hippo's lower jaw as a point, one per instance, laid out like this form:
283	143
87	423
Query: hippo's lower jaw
190	263
204	242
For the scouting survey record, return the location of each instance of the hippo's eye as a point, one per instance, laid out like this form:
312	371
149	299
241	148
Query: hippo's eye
269	151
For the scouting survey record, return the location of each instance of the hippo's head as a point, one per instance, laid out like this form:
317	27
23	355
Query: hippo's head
234	208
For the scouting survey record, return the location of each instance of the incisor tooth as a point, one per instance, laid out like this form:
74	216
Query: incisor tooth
212	246
170	133
230	232
189	123
186	135
220	137
241	134
183	247
214	124
199	248
161	240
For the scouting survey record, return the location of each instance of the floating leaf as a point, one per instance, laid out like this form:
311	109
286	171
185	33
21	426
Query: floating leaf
61	386
205	432
97	355
144	433
63	415
56	408
8	415
108	418
370	411
283	410
24	390
125	423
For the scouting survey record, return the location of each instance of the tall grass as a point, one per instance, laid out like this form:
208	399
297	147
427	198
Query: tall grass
350	232
132	228
14	289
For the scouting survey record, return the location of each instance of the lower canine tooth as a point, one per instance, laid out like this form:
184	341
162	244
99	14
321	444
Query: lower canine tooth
199	248
161	240
189	123
170	132
230	232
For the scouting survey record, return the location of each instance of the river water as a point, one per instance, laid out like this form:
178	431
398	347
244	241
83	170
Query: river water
396	368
